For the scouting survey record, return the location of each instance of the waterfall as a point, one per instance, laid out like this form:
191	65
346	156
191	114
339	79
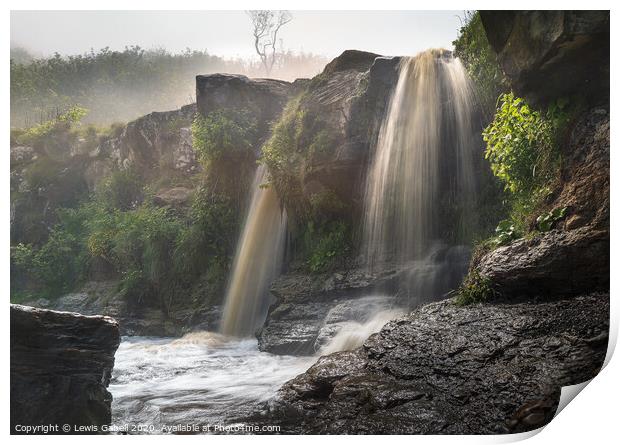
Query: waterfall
423	163
258	260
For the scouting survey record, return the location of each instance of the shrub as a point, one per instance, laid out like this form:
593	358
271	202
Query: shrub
122	190
60	263
37	134
522	148
474	289
326	247
210	235
223	132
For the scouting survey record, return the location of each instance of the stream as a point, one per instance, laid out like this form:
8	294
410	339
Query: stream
171	385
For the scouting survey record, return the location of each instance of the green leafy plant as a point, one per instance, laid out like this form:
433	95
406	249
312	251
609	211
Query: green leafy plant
328	248
123	190
223	132
505	232
520	146
37	134
546	221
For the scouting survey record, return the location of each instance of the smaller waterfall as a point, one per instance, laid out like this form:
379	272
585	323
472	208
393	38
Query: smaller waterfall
257	261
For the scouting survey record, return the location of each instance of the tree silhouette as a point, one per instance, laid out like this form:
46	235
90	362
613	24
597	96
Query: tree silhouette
266	26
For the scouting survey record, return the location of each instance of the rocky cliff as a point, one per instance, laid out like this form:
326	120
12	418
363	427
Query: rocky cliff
61	365
538	48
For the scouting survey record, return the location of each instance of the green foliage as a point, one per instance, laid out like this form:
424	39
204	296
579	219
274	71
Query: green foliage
208	240
58	265
546	221
37	134
123	190
327	246
505	232
299	135
474	51
522	148
474	289
223	132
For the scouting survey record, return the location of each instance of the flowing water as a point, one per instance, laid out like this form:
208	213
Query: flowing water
257	261
207	379
423	160
202	378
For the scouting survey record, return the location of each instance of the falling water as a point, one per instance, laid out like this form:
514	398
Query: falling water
423	160
257	261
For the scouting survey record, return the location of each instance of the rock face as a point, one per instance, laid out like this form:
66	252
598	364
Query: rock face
264	98
159	140
537	50
347	102
574	257
61	364
485	369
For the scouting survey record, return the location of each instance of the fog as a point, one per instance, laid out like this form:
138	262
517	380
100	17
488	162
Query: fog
116	81
228	33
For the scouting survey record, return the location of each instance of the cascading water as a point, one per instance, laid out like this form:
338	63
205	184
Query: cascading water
424	156
257	261
423	164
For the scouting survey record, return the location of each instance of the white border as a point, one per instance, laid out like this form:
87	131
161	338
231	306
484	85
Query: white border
591	418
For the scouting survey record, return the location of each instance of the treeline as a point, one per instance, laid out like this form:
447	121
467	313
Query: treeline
118	86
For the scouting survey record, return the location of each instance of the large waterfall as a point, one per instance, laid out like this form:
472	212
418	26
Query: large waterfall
423	161
257	261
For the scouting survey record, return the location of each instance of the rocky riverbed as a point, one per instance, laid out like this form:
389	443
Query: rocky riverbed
444	369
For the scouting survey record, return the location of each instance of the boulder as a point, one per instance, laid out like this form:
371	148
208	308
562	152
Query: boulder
61	364
444	369
555	263
552	54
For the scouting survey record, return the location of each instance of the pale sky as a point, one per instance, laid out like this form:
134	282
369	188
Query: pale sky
228	33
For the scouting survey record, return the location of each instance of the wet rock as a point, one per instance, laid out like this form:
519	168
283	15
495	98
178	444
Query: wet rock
61	364
297	319
538	48
444	369
555	263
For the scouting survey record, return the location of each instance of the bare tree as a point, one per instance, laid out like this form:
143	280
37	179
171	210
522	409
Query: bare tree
266	25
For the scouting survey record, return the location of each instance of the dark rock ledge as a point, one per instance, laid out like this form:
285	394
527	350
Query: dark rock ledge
61	364
443	369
